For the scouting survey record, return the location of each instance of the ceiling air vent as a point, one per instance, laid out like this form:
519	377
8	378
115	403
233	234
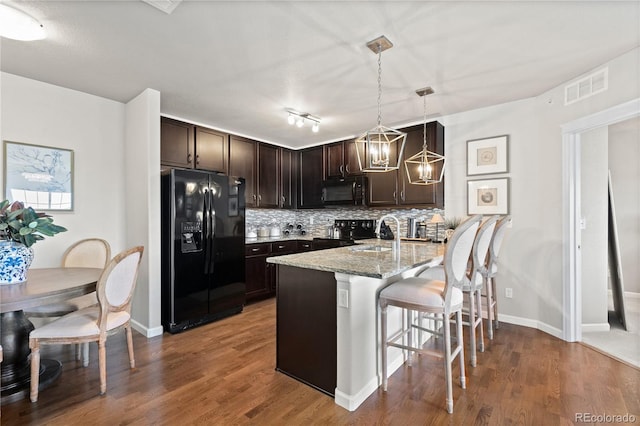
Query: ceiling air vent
166	6
587	86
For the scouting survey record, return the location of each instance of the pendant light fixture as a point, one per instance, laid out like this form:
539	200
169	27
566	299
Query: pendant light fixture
425	167
380	149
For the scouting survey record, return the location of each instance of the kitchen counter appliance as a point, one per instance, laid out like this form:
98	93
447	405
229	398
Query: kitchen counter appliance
203	236
349	230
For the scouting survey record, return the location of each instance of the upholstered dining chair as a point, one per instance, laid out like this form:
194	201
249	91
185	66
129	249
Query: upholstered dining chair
92	324
86	253
491	272
473	284
440	299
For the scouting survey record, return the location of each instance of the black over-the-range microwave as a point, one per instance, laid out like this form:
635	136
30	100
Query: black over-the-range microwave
349	191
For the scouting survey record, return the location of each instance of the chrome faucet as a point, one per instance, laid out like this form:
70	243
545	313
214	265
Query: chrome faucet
396	243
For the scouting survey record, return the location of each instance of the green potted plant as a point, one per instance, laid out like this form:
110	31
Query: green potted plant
20	228
450	224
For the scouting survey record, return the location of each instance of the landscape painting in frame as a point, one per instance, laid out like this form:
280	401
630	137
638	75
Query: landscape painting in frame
488	196
488	155
39	176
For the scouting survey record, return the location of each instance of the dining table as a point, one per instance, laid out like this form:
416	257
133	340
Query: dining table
43	286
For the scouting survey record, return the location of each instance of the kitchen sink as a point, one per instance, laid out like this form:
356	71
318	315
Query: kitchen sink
370	249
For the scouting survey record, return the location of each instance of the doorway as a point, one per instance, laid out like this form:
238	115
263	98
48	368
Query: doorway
571	188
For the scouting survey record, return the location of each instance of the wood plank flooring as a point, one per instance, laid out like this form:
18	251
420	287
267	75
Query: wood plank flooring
223	374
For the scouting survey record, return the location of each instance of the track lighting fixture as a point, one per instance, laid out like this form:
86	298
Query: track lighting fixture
298	118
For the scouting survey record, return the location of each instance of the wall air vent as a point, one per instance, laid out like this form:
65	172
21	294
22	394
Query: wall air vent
587	86
166	6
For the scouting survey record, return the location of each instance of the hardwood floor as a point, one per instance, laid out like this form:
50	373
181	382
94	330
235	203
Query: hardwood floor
223	374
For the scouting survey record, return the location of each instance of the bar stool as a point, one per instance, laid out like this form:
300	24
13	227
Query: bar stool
473	284
490	274
441	299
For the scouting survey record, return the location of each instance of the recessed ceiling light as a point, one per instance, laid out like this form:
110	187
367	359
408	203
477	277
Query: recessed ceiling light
17	25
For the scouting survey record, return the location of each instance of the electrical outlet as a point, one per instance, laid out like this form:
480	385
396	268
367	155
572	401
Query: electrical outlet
311	220
343	298
508	293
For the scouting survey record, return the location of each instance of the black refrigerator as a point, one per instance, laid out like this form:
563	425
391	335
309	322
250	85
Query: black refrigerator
203	233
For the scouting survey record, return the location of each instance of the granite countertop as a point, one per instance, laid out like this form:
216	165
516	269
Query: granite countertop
363	259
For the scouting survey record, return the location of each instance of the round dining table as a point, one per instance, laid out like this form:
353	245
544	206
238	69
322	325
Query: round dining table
43	286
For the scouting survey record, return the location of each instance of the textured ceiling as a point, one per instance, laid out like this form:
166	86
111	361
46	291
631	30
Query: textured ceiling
237	65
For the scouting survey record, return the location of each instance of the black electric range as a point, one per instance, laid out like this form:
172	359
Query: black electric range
350	231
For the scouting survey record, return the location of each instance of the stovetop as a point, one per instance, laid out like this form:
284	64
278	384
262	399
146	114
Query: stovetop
356	229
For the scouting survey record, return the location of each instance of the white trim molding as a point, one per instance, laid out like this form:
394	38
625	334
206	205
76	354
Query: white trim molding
571	255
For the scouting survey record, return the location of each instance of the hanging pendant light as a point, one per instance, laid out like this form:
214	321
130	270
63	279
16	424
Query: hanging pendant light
425	167
378	147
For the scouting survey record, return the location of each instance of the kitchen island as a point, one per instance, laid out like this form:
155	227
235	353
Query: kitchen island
327	317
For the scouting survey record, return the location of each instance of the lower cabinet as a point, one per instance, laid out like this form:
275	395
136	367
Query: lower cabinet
260	276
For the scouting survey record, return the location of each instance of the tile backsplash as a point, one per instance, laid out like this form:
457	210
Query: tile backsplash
316	221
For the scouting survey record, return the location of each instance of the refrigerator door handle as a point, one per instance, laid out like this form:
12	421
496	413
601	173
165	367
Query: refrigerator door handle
212	233
206	230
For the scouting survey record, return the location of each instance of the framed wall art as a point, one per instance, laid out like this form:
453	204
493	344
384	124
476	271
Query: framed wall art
488	196
39	176
488	155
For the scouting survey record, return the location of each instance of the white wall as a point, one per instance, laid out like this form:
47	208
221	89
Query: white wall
44	114
142	196
624	163
531	255
594	201
116	173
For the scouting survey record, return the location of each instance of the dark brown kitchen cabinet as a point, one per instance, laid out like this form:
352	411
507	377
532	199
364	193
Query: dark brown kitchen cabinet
212	150
176	143
341	159
311	176
288	178
268	177
304	246
393	188
242	163
431	195
383	186
259	275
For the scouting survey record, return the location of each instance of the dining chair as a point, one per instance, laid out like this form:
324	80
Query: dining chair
490	274
92	324
441	299
473	284
86	253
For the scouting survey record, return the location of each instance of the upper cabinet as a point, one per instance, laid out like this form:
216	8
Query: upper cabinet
176	143
268	176
212	150
394	188
282	178
311	176
341	159
189	146
288	178
242	163
410	194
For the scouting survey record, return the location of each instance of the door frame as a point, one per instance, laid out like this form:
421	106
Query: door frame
571	209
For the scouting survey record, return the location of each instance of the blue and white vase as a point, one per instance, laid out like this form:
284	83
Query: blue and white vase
15	259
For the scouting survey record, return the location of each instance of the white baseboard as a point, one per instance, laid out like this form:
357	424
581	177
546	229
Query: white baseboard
526	322
590	328
145	331
352	402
